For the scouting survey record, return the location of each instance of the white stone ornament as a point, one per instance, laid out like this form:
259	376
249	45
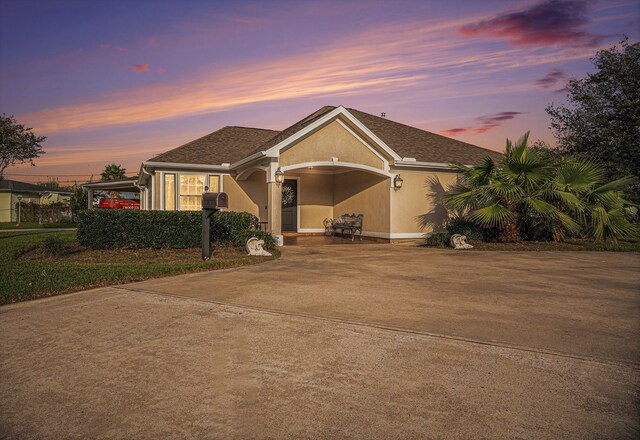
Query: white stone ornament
254	248
459	242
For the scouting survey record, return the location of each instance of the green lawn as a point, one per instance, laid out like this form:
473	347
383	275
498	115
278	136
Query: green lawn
567	245
28	271
32	225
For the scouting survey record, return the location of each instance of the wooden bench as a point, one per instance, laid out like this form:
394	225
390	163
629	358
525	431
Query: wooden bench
351	223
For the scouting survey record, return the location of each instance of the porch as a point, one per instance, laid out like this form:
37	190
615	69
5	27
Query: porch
297	239
306	196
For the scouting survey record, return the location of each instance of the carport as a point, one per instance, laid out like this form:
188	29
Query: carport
128	184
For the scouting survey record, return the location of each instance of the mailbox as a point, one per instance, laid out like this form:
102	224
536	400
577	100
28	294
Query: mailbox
215	200
211	203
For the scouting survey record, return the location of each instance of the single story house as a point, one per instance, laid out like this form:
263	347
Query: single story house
11	189
336	160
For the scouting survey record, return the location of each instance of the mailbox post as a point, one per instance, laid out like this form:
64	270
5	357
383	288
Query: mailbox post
211	203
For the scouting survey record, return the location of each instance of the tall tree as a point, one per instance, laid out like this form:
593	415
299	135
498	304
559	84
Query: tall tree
112	172
17	144
601	118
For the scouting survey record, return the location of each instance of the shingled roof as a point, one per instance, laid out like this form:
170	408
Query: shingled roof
227	145
422	145
231	144
14	185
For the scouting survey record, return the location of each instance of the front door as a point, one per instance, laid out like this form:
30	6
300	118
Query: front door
290	205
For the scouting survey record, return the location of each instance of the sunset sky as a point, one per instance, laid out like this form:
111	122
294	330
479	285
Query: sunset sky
121	81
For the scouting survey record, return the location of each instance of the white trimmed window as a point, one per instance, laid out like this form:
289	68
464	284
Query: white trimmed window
191	189
184	191
169	192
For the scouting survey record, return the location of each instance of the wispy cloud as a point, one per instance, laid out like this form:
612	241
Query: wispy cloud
395	57
548	23
140	68
484	123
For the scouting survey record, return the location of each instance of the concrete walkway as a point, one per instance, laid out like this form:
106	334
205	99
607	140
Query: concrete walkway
376	341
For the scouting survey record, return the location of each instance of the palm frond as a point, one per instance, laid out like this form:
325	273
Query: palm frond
491	216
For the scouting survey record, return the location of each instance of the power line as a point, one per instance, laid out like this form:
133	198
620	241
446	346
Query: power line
52	175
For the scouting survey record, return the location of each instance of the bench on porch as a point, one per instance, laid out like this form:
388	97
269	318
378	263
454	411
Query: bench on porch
351	223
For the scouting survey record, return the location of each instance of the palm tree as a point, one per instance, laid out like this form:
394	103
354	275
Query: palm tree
112	172
529	190
600	207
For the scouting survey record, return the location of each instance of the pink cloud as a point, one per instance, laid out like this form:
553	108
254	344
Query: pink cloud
548	23
140	68
160	70
487	123
454	131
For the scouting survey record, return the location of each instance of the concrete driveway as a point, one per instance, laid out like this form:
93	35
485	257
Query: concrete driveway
376	341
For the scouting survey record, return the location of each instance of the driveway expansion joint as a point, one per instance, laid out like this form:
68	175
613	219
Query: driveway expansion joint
496	344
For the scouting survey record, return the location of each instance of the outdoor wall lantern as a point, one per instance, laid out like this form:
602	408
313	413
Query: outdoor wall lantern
397	182
279	176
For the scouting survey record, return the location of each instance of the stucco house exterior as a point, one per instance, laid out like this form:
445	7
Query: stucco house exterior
336	160
11	189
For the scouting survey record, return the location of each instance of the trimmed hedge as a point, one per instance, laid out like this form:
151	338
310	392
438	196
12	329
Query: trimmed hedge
111	228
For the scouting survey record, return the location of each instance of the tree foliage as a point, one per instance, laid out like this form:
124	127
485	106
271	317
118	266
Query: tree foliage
528	193
17	144
601	118
112	172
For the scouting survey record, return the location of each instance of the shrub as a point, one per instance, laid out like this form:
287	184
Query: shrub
53	245
110	228
438	239
464	226
241	237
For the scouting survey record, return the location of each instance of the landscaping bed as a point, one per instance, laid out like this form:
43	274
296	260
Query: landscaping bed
567	245
49	263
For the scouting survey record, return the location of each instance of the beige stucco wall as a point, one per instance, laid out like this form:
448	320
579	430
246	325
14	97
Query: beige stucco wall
332	140
418	206
8	201
357	192
5	207
248	195
315	198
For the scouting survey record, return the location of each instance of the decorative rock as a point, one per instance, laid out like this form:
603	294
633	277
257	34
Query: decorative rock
254	248
459	242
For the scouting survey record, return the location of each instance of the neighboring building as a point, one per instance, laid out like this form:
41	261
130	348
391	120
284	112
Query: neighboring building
11	189
335	161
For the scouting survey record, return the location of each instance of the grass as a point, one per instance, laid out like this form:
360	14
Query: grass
33	225
30	269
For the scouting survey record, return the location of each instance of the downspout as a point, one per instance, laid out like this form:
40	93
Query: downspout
146	202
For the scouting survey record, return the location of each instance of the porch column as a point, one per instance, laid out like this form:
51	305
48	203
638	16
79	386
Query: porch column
89	198
274	208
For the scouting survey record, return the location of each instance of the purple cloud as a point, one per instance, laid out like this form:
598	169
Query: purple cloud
548	23
551	79
486	123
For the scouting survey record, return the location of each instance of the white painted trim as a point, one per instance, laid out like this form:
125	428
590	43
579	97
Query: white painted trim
187	166
310	230
162	183
338	164
416	164
244	174
254	156
152	183
275	150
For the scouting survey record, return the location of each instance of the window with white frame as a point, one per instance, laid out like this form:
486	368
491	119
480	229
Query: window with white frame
184	191
170	192
214	183
190	192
